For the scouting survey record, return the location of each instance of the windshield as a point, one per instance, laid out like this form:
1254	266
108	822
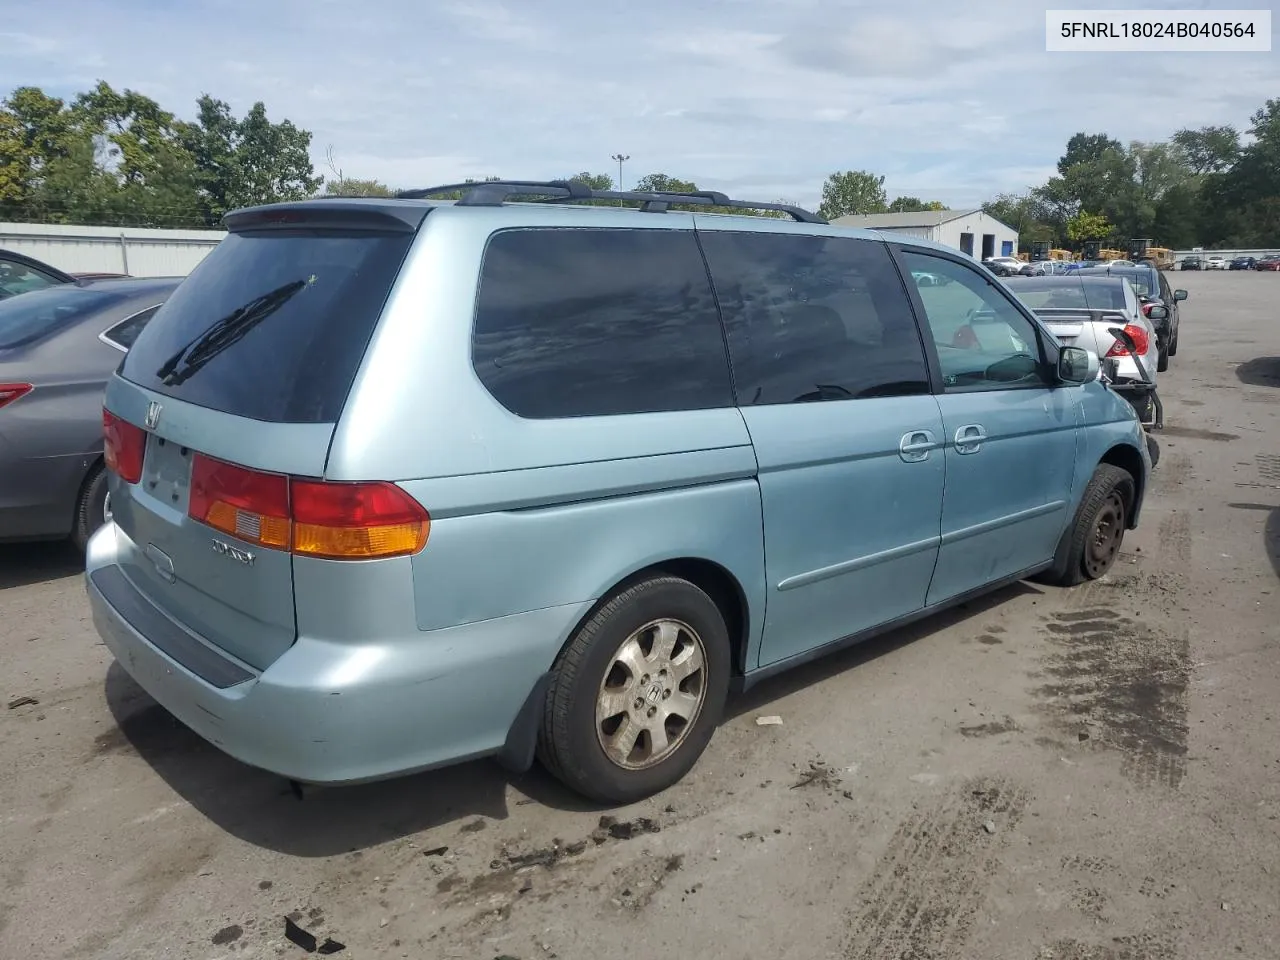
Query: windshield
41	313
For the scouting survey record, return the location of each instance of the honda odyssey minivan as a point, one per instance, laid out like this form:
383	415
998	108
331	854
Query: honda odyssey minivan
401	482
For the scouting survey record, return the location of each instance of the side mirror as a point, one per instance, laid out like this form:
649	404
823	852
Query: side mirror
1179	295
1077	365
1157	311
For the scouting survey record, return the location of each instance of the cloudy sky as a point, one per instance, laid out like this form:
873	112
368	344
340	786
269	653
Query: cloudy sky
760	98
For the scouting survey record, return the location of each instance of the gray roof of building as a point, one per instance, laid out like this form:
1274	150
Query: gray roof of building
891	221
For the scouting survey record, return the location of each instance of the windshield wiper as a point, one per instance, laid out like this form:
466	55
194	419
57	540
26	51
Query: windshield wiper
223	333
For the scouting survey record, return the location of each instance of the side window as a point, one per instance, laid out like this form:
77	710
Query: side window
814	318
126	331
983	341
598	322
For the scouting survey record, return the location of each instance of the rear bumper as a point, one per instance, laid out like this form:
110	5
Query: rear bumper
327	712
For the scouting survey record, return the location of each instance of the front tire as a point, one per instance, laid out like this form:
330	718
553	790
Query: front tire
92	508
637	693
1162	360
1173	345
1089	547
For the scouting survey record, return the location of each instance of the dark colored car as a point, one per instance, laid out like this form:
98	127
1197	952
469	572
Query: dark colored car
20	273
1270	262
1152	288
1243	263
1191	263
58	347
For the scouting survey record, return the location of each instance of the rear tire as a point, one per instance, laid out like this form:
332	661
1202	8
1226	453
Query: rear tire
1089	546
91	507
638	692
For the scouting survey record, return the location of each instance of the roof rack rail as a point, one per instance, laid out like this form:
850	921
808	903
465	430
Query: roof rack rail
493	193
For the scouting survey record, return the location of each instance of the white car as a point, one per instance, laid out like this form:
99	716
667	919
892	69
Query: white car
1216	262
1080	311
1002	265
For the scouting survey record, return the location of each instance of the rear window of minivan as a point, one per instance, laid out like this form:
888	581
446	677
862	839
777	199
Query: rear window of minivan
272	324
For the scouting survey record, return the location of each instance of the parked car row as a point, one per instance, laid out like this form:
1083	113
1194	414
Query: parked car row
1103	310
1218	262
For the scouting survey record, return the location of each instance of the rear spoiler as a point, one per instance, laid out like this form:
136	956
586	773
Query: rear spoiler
1081	315
330	213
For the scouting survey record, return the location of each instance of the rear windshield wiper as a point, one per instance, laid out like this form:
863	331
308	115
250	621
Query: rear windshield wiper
224	333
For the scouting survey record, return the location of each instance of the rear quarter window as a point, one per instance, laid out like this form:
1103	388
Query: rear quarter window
580	322
33	316
272	325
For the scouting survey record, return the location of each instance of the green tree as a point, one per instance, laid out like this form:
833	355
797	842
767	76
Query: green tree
661	183
1251	187
355	187
1088	226
852	191
596	181
41	141
1085	148
1208	149
153	176
914	205
242	162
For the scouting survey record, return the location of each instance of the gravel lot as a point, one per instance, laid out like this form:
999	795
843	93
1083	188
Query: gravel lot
1076	774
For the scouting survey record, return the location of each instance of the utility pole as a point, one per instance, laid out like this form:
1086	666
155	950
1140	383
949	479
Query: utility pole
621	159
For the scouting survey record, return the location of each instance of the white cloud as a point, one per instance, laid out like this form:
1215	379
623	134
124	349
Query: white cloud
760	98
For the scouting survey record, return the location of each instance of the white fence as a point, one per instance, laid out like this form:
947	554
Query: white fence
135	251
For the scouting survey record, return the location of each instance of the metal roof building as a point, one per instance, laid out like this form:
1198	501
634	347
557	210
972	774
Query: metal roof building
970	231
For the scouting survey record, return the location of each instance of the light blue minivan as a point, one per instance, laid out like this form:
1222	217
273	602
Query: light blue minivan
402	482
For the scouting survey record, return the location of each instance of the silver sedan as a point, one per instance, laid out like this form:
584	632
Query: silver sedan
58	346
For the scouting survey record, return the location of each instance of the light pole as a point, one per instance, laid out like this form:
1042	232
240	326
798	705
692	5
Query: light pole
621	159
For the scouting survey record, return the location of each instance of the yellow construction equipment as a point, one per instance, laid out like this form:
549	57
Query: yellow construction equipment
1056	254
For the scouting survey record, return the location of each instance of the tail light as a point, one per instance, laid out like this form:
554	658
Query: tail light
314	518
10	392
1140	340
247	504
123	446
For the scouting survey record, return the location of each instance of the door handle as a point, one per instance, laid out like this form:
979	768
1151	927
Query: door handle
915	446
969	438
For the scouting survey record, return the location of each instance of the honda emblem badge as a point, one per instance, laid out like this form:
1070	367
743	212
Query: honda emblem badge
152	419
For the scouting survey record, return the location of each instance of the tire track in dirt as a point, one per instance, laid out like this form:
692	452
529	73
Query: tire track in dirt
1141	947
1122	685
921	900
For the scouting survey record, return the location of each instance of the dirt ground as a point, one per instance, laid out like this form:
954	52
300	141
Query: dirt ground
1090	774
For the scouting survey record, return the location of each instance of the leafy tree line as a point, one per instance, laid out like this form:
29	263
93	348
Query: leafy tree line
1208	186
118	158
